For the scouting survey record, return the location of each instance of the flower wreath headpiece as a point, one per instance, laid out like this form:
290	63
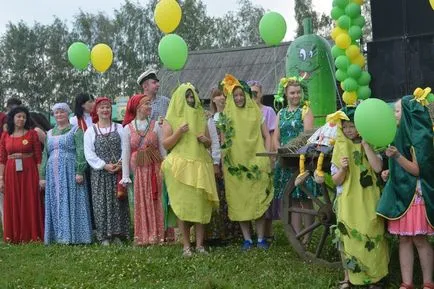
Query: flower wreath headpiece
283	83
423	96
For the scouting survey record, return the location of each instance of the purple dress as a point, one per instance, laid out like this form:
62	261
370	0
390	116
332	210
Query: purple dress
273	212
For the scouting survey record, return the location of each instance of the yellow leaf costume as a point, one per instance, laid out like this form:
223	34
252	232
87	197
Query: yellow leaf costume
247	198
188	169
361	230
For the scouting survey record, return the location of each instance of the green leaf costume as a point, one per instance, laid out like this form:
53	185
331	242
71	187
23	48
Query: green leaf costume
414	132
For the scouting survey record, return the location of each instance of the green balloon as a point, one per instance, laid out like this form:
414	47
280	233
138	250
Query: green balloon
342	62
79	55
336	13
353	10
350	84
173	51
430	97
272	28
359	21
336	51
341	3
364	92
344	22
364	79
354	71
355	32
341	75
375	122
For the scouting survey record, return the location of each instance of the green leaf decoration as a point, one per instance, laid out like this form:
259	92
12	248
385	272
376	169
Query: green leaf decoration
370	245
224	124
357	158
366	179
343	229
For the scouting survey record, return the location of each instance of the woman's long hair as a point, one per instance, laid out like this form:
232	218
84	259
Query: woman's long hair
214	92
39	120
79	101
10	119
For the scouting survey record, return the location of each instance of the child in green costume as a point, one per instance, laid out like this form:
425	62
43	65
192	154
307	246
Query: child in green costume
188	169
407	200
363	247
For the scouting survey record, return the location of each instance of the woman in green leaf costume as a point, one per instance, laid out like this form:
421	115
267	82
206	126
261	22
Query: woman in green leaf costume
188	169
247	178
408	200
361	232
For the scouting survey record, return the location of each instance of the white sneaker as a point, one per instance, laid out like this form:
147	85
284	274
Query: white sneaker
105	242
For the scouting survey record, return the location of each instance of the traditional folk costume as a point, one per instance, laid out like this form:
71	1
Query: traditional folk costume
67	208
110	204
142	155
23	208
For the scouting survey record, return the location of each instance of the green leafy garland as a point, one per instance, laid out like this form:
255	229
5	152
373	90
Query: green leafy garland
351	263
224	124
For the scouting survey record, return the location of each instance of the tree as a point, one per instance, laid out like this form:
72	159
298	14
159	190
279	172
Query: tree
321	22
196	27
367	30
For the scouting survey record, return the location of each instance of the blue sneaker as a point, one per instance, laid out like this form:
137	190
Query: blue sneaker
263	245
247	245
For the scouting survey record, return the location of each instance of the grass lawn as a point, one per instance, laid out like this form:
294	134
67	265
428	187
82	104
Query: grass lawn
94	266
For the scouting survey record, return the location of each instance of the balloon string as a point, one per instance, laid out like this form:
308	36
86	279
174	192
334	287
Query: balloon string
275	64
334	80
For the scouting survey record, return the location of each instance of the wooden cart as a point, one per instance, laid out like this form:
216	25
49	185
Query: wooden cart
320	248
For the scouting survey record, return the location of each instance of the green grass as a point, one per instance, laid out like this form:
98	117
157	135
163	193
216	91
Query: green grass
94	266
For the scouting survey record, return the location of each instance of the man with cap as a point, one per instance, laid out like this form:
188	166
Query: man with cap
149	82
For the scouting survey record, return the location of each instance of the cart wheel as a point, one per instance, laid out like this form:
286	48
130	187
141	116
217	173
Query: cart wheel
312	243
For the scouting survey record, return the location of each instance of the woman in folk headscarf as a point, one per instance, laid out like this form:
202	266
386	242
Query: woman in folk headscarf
248	184
188	169
67	209
103	151
142	153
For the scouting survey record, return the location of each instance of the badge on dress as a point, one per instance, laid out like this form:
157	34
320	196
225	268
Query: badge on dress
19	165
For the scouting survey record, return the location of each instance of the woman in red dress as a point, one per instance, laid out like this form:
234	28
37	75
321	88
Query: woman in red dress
20	157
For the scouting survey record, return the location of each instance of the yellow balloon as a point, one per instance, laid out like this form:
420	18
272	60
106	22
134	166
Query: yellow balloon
167	15
336	32
359	60
432	4
360	2
343	41
101	57
352	51
350	97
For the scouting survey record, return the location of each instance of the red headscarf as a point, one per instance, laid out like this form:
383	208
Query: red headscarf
133	104
98	101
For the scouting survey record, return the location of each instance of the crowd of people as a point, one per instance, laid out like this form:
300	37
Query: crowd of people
190	167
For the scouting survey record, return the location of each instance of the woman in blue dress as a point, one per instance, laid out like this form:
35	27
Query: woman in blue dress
67	210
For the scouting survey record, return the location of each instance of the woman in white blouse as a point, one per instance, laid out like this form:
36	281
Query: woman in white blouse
103	151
